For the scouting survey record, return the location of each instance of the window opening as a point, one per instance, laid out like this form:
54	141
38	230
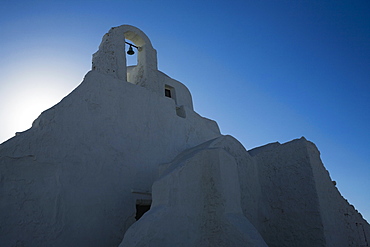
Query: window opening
170	92
167	92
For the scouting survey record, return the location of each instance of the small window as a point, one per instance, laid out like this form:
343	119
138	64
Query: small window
170	92
167	92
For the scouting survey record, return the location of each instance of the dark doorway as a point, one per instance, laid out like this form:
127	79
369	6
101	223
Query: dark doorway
141	210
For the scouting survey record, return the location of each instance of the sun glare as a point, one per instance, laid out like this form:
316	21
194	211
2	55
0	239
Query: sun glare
29	103
28	93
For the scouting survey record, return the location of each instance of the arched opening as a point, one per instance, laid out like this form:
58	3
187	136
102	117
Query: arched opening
131	60
112	48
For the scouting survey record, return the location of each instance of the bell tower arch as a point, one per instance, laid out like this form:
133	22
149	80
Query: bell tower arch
110	59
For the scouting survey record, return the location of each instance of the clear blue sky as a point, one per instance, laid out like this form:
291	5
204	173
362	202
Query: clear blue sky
266	71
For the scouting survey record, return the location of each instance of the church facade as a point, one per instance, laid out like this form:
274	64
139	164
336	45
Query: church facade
124	160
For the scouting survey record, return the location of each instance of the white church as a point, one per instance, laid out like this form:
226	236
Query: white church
124	160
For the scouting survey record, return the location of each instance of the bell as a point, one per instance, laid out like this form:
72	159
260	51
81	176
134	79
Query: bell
130	51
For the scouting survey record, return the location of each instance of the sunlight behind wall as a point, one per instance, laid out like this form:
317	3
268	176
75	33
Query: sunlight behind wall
33	85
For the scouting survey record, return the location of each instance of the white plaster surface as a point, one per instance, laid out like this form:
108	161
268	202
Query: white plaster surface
73	179
301	205
199	196
68	181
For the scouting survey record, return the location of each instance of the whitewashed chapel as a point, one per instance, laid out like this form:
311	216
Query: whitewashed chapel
124	160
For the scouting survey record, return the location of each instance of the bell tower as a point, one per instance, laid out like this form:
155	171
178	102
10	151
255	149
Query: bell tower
110	59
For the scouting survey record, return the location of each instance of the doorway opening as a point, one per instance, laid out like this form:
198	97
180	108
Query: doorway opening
142	206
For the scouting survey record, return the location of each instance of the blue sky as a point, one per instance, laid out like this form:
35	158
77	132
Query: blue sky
266	71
